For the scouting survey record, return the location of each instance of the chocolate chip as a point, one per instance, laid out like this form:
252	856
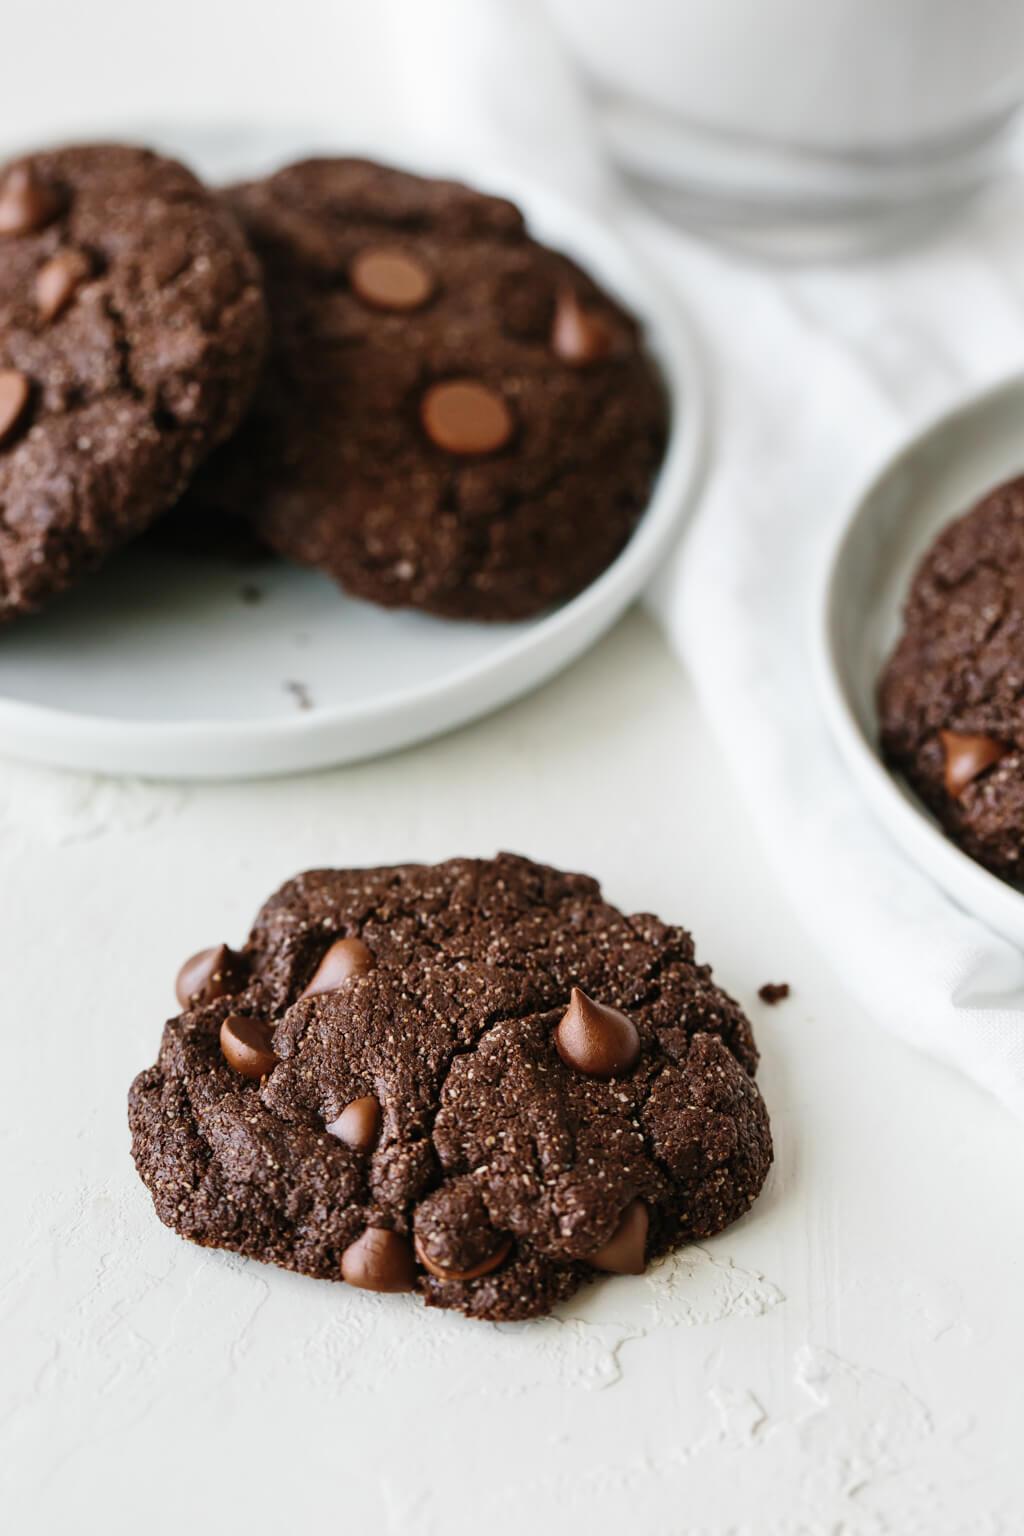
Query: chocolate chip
358	1125
389	278
485	1266
465	417
26	203
345	958
623	1253
57	280
578	336
170	258
773	992
967	756
14	396
378	1261
246	1044
600	1041
210	974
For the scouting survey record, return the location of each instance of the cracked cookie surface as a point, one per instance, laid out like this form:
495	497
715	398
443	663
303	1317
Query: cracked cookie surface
132	327
950	698
452	417
417	1126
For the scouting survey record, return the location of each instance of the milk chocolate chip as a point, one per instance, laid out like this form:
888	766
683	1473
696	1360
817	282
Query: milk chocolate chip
464	416
345	958
26	203
210	974
14	395
484	1267
379	1261
578	336
623	1253
358	1125
57	280
967	756
600	1041
390	278
246	1044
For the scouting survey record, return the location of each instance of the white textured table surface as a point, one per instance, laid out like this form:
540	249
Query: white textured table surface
844	1362
836	1363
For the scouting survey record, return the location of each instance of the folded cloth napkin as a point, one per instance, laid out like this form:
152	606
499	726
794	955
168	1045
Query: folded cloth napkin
816	373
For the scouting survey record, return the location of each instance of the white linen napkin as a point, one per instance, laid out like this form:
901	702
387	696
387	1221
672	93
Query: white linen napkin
816	373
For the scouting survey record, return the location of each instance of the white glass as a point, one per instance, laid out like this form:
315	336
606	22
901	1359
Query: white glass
802	124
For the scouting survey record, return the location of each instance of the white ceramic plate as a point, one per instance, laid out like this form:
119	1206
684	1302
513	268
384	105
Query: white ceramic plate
164	666
938	475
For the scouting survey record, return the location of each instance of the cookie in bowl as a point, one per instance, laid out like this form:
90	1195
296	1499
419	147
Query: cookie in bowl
951	698
477	1080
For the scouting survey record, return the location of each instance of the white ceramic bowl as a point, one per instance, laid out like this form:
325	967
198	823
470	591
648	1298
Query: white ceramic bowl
939	474
160	666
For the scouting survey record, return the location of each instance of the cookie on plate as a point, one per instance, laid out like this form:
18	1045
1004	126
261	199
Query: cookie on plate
950	698
477	1080
132	328
453	417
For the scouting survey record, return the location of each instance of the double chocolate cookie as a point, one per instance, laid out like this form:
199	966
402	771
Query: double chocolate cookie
132	327
477	1080
453	417
950	698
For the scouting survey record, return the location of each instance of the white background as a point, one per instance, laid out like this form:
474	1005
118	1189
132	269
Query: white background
845	1360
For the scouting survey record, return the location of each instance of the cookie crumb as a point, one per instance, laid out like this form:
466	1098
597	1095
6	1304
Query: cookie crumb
251	593
773	992
300	693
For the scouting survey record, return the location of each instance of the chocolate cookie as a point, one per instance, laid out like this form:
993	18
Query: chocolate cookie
476	1080
950	696
453	418
132	328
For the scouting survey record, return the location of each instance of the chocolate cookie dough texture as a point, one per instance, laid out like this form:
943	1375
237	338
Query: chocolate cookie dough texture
132	327
453	417
478	1081
952	720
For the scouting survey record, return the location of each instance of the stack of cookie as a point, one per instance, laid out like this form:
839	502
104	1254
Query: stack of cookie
403	389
